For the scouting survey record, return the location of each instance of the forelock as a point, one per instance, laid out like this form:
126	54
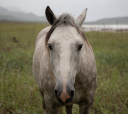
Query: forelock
64	19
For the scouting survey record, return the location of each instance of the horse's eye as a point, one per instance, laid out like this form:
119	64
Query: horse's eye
50	46
79	47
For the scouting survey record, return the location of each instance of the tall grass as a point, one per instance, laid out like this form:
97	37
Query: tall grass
19	92
112	63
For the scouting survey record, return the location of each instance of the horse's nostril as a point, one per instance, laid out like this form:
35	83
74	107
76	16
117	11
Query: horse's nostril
55	92
72	93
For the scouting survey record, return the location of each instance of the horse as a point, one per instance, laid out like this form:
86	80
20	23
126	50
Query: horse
64	65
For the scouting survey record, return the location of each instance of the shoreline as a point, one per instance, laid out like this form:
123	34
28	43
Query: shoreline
105	28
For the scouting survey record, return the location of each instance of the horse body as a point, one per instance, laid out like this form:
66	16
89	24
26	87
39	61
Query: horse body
65	71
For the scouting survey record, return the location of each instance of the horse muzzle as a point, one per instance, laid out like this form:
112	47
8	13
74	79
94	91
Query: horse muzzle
64	94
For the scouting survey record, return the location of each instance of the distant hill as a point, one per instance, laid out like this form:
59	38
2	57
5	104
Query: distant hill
19	16
106	21
6	15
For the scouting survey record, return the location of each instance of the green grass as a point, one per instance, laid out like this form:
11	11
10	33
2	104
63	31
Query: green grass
19	94
112	62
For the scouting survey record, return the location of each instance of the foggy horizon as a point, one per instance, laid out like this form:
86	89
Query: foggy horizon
96	10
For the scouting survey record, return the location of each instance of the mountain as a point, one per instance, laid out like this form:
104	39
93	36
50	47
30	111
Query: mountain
14	15
14	9
18	16
106	21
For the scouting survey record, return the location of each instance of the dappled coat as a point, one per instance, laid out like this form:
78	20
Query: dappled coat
64	66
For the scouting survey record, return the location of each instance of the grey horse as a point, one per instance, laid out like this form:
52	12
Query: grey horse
64	65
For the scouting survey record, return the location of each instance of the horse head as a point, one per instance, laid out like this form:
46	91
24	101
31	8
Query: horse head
64	43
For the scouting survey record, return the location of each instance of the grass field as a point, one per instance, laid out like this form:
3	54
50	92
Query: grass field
19	93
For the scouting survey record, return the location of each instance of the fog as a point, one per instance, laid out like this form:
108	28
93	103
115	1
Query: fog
97	9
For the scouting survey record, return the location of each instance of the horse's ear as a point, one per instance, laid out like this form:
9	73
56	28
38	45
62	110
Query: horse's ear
80	19
50	15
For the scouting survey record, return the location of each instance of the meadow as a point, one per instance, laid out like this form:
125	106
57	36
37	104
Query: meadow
19	94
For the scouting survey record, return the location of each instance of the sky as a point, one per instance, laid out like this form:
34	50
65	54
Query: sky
97	9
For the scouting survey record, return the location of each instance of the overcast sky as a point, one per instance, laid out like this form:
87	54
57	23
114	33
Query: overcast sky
97	9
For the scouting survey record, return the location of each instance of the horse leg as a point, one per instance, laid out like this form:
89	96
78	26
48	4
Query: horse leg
52	112
51	109
43	103
85	105
61	110
51	105
84	109
69	109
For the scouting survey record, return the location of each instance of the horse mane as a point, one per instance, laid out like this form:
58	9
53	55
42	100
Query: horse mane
64	19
